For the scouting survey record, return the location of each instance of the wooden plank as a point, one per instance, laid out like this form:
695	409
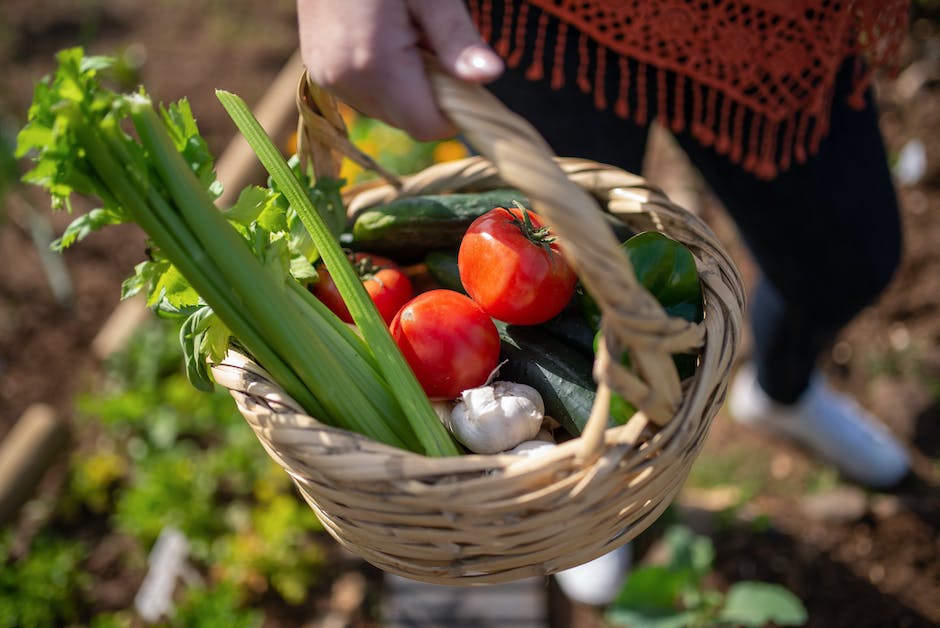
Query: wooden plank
34	443
520	604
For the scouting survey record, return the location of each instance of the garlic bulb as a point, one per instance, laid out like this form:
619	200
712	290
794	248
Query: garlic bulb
496	417
532	448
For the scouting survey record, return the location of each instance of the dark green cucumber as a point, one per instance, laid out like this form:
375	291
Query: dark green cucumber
442	266
407	228
572	328
561	374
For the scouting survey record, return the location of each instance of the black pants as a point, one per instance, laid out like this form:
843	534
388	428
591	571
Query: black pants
826	233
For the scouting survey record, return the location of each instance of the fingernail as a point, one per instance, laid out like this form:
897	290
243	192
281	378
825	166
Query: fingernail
478	63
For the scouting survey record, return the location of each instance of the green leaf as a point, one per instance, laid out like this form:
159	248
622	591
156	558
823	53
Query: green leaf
170	488
328	201
669	619
300	241
171	286
182	128
85	224
216	339
759	603
325	196
145	274
273	251
302	270
61	102
93	63
689	551
219	606
260	205
44	586
274	233
33	136
666	268
653	590
192	340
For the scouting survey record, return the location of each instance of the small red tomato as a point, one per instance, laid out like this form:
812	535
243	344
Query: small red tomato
511	265
385	282
450	343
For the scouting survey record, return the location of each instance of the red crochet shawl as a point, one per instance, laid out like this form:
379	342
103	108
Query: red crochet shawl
772	61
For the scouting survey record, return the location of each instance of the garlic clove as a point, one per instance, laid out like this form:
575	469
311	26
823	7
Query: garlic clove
496	417
532	448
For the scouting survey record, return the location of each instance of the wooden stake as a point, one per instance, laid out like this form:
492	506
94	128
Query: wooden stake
29	449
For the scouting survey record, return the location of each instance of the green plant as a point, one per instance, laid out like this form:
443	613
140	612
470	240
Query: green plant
270	545
120	619
168	454
735	465
44	587
214	606
394	149
171	488
8	169
676	594
228	274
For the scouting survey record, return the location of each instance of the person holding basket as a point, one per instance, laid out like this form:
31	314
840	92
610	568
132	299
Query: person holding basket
771	102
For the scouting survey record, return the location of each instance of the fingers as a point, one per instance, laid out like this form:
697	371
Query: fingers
409	102
455	40
367	53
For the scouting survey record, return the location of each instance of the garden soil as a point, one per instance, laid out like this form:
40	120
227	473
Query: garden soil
854	558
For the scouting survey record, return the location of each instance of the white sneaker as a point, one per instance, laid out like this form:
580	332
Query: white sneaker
829	424
597	582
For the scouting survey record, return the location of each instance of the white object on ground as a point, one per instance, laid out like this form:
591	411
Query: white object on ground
154	599
599	581
911	164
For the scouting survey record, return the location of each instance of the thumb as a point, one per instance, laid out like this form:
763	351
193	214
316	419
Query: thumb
455	41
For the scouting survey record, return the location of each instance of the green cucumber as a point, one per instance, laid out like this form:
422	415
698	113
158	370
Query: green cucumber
408	228
571	327
561	374
442	266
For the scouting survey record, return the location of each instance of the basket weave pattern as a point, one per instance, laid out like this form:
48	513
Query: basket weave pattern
496	518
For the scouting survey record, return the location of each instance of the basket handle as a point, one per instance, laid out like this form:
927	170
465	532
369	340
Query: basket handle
632	319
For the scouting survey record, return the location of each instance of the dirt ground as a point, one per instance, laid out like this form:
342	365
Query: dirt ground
854	558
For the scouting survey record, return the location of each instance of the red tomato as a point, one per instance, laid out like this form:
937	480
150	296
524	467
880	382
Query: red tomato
449	341
385	282
513	267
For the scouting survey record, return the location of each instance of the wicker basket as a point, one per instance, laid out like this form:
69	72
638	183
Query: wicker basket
496	518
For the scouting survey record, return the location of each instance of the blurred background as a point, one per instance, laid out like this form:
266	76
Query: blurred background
109	459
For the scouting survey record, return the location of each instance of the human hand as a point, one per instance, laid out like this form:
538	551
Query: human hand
369	54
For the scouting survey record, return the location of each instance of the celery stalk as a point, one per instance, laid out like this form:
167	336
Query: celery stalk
424	421
127	192
266	301
160	178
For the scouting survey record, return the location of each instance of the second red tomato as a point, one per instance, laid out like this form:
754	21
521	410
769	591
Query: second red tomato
511	265
450	343
388	287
